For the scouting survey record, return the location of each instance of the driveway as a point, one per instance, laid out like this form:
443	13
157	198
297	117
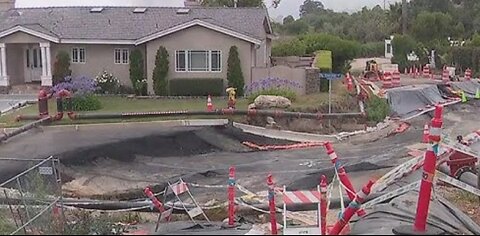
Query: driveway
9	102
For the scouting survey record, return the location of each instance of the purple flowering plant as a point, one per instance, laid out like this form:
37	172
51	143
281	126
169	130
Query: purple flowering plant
272	86
79	86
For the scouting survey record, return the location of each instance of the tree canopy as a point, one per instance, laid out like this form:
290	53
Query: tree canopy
425	20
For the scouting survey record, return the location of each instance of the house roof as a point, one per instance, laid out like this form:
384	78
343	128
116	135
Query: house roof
121	23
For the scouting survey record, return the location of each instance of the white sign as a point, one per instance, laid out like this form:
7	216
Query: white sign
45	170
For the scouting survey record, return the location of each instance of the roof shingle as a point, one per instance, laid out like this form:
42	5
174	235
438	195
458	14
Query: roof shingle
120	23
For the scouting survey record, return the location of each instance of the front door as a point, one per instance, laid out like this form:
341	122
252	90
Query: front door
33	63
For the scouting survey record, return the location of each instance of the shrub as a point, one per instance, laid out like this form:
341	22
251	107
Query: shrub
107	83
289	48
466	57
343	51
137	75
122	89
85	103
272	86
61	67
82	89
160	72
196	87
234	71
79	86
377	109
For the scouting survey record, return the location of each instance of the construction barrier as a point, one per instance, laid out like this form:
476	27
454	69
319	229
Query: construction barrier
342	174
445	76
387	80
425	133
231	197
468	74
282	147
271	204
352	208
179	189
396	79
426	71
323	205
301	197
209	103
429	166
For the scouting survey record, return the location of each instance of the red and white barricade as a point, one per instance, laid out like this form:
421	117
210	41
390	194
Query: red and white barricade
302	197
387	80
426	71
445	75
181	189
468	74
396	79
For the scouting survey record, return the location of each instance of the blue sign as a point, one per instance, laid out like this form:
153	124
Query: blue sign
331	76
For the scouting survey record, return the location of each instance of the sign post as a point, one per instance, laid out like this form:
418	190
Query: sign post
330	77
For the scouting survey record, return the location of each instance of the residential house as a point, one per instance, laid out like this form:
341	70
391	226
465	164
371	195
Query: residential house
197	38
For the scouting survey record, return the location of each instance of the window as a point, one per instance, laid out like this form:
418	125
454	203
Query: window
78	55
122	56
198	61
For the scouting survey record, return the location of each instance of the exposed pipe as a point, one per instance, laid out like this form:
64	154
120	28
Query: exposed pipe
467	177
221	112
24	128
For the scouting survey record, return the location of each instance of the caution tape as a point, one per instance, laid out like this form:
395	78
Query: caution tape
447	142
282	147
392	194
457	183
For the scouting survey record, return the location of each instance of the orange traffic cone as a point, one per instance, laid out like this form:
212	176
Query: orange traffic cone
425	133
349	83
209	104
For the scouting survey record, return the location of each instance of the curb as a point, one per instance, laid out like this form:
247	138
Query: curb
162	123
284	134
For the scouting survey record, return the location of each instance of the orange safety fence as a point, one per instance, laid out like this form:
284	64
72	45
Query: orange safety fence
282	147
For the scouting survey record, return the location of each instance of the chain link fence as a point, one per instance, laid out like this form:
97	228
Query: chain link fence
31	202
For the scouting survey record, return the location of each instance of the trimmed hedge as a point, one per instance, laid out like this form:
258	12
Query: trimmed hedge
196	87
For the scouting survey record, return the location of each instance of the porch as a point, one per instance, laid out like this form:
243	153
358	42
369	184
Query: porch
25	63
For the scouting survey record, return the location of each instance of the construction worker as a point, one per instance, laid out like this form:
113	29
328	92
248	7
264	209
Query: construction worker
231	97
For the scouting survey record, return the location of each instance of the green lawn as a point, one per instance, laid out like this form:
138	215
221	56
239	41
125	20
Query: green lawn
114	104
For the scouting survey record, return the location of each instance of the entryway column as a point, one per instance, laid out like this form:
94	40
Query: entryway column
4	80
46	64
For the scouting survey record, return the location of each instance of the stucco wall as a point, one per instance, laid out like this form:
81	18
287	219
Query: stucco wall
15	64
20	37
98	58
198	38
282	72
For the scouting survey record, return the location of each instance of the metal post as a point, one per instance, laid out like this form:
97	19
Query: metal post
329	100
58	185
10	207
23	199
478	179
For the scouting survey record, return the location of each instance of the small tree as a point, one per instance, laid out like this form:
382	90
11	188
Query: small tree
234	71
61	67
137	72
160	72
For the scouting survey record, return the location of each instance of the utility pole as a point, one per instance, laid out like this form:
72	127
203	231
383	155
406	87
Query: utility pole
404	17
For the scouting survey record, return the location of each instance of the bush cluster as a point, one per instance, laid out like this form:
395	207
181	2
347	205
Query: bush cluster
196	87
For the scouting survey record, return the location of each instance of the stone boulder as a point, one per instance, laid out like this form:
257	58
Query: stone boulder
269	102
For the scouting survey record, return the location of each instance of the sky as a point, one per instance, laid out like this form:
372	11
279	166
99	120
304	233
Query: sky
287	7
